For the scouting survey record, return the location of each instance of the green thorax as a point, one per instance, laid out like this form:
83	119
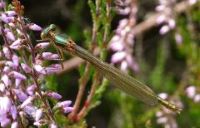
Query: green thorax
61	39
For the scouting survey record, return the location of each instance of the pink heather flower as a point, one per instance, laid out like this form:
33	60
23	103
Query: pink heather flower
123	23
4	121
116	45
164	29
38	114
42	45
161	19
67	109
162	120
6	80
191	2
39	69
9	35
2	87
9	63
53	126
17	82
159	114
12	25
165	8
63	104
50	56
115	38
54	95
27	101
163	95
131	62
53	68
16	44
178	38
15	60
38	123
191	91
118	56
29	110
13	111
171	23
121	32
6	19
21	95
123	40
124	66
26	68
166	118
6	52
5	104
2	4
10	13
6	69
14	125
34	27
124	11
126	30
31	89
197	98
160	8
17	75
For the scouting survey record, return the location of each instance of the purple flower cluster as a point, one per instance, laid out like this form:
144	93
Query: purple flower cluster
192	93
167	117
22	102
191	2
123	41
167	17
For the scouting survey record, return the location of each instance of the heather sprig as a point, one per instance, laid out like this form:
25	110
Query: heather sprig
192	92
167	16
164	116
22	101
101	18
122	42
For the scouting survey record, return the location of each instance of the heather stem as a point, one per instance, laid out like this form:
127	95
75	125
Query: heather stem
83	81
84	110
97	76
85	77
44	100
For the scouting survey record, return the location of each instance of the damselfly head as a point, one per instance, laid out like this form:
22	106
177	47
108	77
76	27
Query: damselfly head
46	32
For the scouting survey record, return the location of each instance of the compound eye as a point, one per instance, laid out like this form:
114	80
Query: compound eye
43	35
52	27
45	32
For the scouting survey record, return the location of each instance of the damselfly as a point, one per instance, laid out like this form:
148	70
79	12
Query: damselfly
119	79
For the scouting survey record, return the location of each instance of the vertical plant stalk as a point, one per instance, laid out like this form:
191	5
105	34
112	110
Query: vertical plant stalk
44	100
85	77
82	84
34	76
97	77
85	109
